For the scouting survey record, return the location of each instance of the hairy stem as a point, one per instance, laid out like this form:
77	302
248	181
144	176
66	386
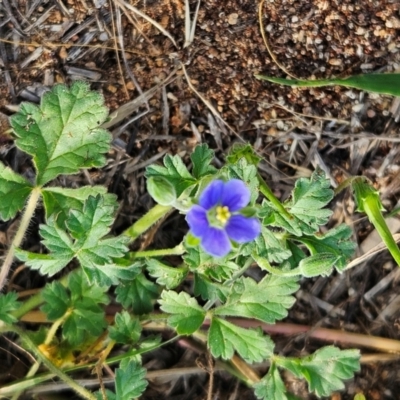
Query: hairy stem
175	251
145	222
19	236
267	192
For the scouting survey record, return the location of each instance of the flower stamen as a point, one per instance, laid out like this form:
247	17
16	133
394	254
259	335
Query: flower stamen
222	214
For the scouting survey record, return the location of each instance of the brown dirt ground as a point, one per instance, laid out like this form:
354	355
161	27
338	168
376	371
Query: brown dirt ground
207	93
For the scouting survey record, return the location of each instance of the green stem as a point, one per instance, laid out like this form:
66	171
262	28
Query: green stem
19	236
175	251
368	201
51	367
145	222
267	192
264	264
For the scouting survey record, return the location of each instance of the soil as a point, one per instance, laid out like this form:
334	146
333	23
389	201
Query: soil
205	91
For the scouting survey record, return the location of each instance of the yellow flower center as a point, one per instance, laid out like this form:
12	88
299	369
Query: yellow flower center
222	214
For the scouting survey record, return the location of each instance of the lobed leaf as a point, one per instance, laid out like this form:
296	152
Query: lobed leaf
63	134
266	301
8	303
14	191
271	386
84	241
126	329
224	338
187	316
174	171
137	293
130	380
167	276
325	370
201	159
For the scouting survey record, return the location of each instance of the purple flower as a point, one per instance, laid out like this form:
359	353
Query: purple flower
216	220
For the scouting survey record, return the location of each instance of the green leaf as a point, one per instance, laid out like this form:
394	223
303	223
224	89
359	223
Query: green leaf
79	304
201	158
271	386
161	190
247	173
110	395
187	316
59	201
14	191
224	338
8	303
174	172
87	318
126	330
325	370
138	293
84	241
209	290
63	134
377	83
130	381
306	206
333	249
239	150
267	245
266	301
56	300
81	288
169	277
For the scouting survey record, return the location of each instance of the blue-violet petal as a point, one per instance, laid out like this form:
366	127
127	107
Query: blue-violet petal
242	229
212	194
236	195
197	220
216	242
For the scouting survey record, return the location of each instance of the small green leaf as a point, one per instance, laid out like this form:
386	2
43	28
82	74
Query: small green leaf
84	241
377	83
138	293
130	381
169	277
332	249
325	370
224	338
271	386
59	201
309	197
201	158
56	300
14	191
174	172
8	303
80	306
110	395
63	134
239	150
209	290
266	301
187	314
126	330
161	190
267	245
247	173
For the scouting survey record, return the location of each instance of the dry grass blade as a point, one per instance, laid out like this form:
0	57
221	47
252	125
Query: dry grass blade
190	26
128	108
148	19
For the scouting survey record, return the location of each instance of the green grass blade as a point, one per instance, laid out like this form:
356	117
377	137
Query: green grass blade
377	83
